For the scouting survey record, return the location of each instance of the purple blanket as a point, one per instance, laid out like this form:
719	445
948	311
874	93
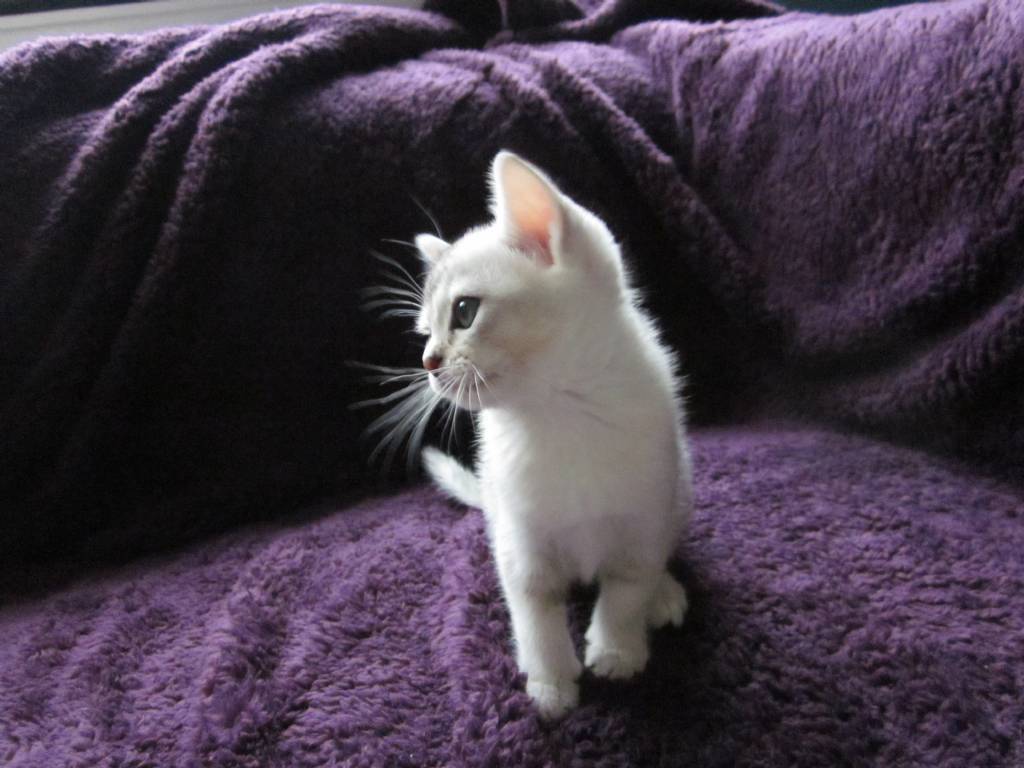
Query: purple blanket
825	214
853	604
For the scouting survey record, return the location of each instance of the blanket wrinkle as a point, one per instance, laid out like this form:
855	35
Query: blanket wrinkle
852	603
503	21
174	153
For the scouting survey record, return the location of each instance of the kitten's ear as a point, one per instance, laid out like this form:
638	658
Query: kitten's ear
431	248
527	206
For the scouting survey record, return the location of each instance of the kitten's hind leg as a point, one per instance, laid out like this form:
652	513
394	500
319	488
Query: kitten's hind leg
617	637
669	604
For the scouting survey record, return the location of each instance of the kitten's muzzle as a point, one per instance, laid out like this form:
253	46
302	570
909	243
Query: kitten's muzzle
432	363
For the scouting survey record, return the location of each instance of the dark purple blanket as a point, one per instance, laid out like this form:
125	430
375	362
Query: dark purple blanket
853	604
825	214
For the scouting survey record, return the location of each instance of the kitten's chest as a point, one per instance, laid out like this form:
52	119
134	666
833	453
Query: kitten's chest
577	497
566	458
569	472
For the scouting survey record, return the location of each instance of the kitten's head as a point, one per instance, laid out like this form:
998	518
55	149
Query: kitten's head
518	304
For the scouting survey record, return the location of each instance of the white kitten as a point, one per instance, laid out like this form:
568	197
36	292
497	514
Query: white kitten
584	471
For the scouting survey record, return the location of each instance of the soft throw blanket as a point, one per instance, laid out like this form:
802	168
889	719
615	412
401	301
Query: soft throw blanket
853	604
826	217
825	213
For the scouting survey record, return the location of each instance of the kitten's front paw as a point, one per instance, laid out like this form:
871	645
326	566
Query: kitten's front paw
668	605
616	663
553	698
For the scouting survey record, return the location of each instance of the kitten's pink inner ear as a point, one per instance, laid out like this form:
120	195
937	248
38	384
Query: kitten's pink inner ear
532	209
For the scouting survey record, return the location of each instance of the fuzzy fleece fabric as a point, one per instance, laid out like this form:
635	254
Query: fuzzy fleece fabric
826	216
824	213
853	604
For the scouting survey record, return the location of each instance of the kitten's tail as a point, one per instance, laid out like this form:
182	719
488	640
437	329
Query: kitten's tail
452	478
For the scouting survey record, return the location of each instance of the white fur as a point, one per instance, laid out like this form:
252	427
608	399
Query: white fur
584	472
453	478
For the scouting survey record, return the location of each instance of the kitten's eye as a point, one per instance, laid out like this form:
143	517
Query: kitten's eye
464	312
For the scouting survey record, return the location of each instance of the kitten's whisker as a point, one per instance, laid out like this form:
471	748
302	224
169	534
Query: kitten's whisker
449	416
404	392
412	281
402	280
463	387
405	280
411	411
394	422
384	368
429	215
396	303
404	431
453	430
407	389
403	284
371	302
390	260
382	380
390	290
478	373
416	437
483	378
396	414
476	386
400	313
444	375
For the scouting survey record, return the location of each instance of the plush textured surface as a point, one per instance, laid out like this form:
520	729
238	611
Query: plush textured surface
826	214
852	604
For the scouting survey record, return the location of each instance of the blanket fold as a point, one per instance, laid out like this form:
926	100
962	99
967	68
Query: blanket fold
502	20
824	213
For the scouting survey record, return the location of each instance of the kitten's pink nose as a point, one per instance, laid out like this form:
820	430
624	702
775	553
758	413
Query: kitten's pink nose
432	363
